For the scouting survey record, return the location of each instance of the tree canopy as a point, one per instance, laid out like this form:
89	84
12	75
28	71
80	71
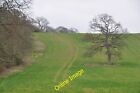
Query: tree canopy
109	38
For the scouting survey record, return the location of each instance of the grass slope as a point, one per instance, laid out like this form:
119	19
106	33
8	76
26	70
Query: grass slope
62	55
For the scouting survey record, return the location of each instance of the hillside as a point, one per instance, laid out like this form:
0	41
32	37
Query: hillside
59	55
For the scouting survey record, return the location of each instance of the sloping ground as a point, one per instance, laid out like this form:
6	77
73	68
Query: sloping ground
49	67
60	55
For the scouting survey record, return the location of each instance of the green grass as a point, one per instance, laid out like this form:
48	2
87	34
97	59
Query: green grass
63	56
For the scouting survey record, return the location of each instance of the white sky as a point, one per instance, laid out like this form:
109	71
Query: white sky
78	13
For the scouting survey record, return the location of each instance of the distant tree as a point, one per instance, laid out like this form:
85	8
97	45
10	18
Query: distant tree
66	30
50	29
61	29
42	23
109	39
73	30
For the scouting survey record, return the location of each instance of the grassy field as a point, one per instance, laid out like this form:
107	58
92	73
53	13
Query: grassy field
58	56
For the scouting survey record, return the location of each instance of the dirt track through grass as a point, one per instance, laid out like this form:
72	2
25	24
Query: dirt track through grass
72	53
61	55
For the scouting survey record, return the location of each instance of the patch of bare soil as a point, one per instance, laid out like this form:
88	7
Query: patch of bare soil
11	71
38	49
88	90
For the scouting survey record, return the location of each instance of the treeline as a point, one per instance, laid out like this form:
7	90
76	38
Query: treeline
15	32
41	25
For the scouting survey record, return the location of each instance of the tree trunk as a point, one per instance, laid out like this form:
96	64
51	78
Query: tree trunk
108	52
109	56
110	59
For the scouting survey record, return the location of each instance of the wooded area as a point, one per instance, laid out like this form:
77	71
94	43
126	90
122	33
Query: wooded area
15	32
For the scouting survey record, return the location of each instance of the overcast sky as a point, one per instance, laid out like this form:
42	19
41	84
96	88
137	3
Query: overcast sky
78	13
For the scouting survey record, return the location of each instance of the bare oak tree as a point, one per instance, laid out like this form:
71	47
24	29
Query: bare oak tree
110	37
42	23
